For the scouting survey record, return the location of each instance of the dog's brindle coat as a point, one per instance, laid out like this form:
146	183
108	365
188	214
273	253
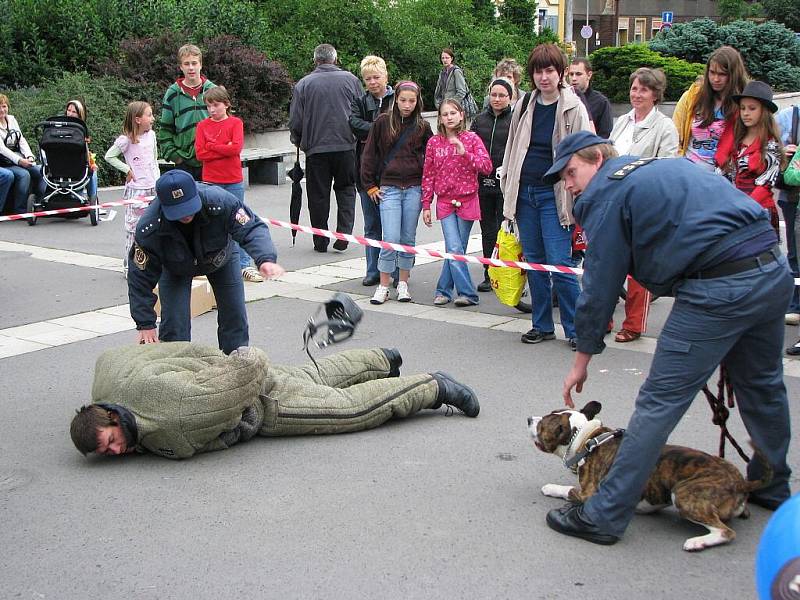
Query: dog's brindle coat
705	489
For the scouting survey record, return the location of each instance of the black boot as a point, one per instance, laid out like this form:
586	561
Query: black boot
395	361
486	284
456	394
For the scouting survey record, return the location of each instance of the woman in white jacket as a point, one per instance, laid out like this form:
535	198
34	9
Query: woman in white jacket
17	157
645	132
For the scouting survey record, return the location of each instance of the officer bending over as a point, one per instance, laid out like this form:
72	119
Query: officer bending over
179	399
187	231
683	232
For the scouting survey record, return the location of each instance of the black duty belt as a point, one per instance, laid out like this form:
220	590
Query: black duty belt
736	266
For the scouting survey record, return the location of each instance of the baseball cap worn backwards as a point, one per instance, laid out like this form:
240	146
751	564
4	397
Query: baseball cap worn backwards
566	148
177	193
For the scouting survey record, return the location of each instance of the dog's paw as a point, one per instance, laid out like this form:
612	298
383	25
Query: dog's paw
714	537
556	491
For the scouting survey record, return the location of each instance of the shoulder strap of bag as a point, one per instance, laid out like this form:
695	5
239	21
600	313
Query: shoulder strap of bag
795	123
395	147
525	100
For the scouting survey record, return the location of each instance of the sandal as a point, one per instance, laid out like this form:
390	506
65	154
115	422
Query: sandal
626	335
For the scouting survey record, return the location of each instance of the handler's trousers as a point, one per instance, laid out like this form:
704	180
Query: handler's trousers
737	320
351	392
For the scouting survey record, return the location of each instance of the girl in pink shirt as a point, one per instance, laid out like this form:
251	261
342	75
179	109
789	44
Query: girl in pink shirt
453	159
137	145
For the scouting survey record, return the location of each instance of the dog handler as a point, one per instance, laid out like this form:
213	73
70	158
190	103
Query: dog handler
180	399
683	232
187	231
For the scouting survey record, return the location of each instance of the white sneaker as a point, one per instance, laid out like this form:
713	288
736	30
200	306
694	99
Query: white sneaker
252	275
403	295
792	318
380	296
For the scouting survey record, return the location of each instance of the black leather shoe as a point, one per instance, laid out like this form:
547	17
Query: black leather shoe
340	245
395	361
572	522
485	285
456	394
794	350
768	503
534	336
524	307
371	280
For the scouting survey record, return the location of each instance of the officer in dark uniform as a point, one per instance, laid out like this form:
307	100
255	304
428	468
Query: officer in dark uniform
683	232
187	231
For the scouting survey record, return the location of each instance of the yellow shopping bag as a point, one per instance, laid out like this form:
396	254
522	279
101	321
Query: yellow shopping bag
508	283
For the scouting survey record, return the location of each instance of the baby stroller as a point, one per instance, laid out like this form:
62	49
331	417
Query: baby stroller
64	155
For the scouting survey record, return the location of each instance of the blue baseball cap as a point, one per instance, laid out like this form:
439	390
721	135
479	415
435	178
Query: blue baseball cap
178	195
566	148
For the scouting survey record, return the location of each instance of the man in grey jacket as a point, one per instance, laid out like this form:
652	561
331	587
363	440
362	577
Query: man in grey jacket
319	125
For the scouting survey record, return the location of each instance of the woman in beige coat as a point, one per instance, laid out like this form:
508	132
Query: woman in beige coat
645	132
543	213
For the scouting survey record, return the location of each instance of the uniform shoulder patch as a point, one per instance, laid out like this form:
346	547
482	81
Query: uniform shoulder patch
242	216
626	170
140	257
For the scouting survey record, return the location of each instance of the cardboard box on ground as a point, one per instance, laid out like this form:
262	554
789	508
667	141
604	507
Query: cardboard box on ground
202	301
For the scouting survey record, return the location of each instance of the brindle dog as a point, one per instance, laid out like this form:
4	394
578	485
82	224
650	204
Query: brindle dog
705	489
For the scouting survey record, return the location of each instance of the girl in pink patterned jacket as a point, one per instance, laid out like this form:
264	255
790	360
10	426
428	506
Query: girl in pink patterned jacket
453	159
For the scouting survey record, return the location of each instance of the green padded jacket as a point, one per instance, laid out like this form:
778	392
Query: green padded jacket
186	398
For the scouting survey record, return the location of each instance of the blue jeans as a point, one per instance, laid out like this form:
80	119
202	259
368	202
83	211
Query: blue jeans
399	210
237	189
175	291
91	187
27	180
544	240
372	230
6	181
454	272
789	210
737	320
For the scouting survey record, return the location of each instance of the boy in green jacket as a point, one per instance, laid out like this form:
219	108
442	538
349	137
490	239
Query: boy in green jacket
178	399
182	109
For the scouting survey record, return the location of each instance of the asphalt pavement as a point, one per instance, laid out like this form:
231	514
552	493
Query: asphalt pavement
432	506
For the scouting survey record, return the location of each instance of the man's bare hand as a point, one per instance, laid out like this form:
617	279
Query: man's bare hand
576	377
271	270
147	336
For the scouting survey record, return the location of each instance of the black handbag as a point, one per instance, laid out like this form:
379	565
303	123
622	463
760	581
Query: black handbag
780	183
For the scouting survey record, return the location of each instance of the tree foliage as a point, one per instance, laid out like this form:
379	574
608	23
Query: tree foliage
770	51
786	12
613	67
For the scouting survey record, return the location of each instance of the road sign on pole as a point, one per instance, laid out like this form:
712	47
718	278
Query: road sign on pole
666	16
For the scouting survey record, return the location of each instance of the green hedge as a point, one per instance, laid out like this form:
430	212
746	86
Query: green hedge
105	99
770	51
613	68
409	34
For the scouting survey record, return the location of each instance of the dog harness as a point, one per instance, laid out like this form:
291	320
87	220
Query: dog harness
578	459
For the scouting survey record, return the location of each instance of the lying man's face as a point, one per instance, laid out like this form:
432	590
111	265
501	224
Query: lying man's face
111	440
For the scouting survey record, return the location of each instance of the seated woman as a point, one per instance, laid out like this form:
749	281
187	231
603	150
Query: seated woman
76	108
17	157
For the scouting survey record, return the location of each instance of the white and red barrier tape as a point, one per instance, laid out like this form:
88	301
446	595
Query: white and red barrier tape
335	235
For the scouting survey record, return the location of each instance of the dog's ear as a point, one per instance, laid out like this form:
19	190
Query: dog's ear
591	409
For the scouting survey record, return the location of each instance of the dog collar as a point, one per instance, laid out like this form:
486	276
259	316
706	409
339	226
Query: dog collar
578	459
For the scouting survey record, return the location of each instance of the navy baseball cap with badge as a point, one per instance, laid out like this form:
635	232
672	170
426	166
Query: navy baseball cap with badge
566	148
177	193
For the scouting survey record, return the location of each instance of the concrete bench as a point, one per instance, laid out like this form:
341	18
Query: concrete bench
259	165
